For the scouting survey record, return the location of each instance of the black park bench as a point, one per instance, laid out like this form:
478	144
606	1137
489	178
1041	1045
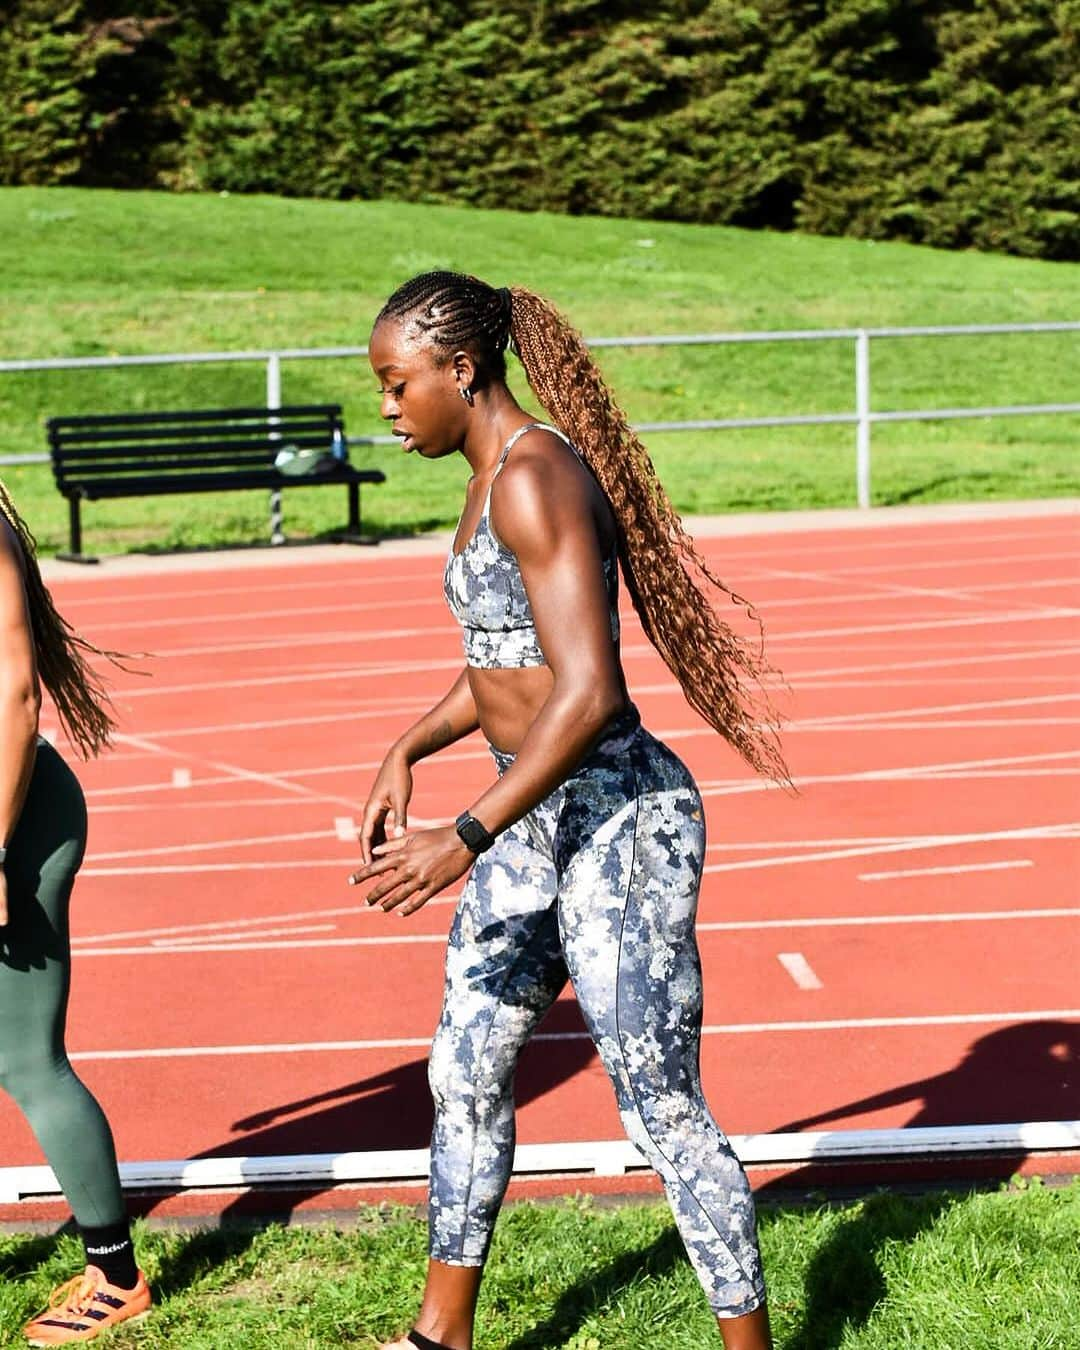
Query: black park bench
216	450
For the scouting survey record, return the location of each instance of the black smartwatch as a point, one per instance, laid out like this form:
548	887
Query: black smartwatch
472	834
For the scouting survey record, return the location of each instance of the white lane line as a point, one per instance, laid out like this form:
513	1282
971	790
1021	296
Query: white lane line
942	724
476	751
241	927
840	841
331	637
215	804
220	927
236	942
184	869
800	970
725	787
345	829
181	778
278	587
903	846
431	600
800	679
720	1029
270	945
255	933
779	637
895	714
875	920
237	772
948	871
253	841
345	670
146	739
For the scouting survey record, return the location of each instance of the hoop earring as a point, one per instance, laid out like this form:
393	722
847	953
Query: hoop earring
467	394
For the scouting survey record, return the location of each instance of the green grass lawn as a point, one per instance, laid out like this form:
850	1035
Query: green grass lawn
983	1271
91	273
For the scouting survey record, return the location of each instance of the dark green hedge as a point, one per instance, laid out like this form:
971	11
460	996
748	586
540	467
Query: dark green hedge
952	124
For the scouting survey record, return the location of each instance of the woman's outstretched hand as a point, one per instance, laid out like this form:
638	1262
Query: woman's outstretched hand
408	871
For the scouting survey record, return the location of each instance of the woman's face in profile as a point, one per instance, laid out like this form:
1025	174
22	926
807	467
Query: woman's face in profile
420	399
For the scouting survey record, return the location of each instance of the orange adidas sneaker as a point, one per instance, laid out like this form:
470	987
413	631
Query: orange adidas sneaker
85	1307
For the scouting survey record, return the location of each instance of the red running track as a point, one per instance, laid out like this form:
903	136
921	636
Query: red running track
898	944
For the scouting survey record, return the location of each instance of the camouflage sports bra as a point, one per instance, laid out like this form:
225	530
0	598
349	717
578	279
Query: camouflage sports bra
486	594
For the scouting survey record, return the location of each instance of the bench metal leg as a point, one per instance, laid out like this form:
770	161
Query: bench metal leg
75	554
351	533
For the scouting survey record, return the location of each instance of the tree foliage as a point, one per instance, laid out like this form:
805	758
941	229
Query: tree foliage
947	122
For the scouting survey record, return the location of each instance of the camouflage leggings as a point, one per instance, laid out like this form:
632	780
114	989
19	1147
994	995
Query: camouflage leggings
599	882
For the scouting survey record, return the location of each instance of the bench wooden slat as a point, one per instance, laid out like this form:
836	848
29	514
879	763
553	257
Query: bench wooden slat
201	415
89	458
285	429
267	478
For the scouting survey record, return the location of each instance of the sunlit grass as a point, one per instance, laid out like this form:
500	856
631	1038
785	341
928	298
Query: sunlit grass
983	1271
92	273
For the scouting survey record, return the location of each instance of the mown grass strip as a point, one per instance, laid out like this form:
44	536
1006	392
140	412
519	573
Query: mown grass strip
951	1271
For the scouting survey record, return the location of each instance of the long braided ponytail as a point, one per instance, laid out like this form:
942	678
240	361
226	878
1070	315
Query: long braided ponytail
672	587
81	700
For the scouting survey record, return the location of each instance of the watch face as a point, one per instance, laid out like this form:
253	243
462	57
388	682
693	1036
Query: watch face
472	834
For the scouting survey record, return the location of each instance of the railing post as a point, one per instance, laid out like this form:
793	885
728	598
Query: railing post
862	413
273	400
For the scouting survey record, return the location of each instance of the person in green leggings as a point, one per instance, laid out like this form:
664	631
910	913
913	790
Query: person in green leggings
42	840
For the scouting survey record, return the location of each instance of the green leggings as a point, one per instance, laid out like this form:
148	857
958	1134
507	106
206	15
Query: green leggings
35	974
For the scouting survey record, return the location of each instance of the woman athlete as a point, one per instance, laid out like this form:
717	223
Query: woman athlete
586	852
43	832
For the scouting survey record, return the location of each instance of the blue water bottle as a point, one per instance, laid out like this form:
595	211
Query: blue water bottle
339	447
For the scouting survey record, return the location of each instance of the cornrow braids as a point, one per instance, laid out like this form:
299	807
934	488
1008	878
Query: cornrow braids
81	700
723	676
454	312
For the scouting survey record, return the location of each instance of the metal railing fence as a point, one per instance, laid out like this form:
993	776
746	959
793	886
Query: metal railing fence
862	416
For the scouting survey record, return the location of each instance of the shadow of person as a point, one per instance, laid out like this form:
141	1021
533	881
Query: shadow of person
1030	1071
393	1109
389	1110
844	1282
1026	1072
597	1289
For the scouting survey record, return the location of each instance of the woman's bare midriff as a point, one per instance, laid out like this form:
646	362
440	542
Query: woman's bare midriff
508	702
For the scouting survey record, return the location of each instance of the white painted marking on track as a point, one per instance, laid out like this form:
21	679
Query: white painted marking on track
235	942
241	927
1003	866
185	869
217	927
896	714
721	1029
345	829
251	841
875	920
255	933
48	734
181	778
904	846
974	768
779	637
339	671
227	945
800	970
